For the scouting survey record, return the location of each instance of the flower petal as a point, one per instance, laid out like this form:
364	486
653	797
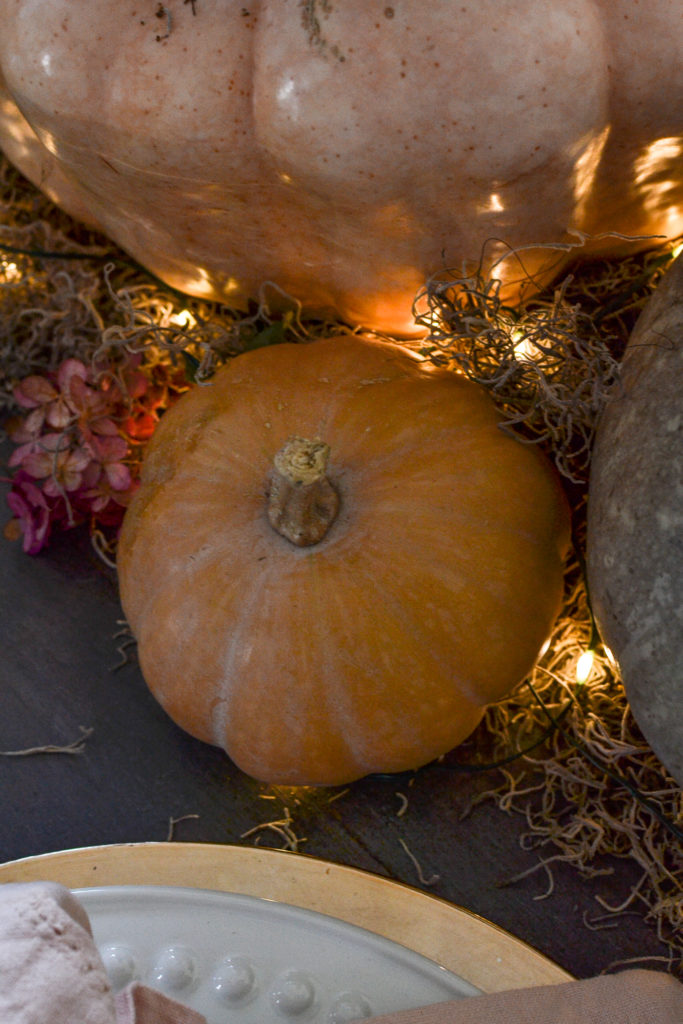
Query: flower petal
118	475
58	414
32	512
26	428
136	384
104	425
70	369
109	449
37	464
142	426
33	391
79	458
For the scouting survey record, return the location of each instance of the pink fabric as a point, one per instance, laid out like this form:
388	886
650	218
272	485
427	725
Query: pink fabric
50	968
633	997
137	1004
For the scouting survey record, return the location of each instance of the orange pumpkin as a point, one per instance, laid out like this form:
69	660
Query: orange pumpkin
349	602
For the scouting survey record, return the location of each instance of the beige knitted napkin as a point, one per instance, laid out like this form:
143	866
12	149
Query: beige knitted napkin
50	969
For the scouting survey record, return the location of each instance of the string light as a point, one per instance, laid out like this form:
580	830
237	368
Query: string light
184	319
584	667
10	271
523	348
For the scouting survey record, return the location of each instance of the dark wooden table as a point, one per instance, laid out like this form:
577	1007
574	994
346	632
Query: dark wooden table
59	619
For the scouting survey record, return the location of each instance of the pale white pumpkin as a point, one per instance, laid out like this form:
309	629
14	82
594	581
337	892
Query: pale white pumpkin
347	151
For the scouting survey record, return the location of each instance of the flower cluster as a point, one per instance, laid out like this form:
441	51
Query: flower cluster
80	441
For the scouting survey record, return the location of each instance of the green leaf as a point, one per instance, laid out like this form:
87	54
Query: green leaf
273	334
191	366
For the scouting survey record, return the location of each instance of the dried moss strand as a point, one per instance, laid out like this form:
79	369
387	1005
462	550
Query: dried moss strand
573	809
549	365
61	299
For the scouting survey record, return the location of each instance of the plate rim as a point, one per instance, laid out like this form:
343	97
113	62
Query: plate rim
466	944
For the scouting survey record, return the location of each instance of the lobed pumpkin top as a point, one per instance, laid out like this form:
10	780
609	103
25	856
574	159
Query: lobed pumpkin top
377	647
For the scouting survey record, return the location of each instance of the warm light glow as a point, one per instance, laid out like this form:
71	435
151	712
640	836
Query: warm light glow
673	219
656	174
677	251
544	648
524	350
291	792
10	271
494	204
197	281
183	319
658	158
584	666
610	657
587	165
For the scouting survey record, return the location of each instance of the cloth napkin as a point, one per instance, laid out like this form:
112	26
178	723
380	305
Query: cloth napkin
50	969
632	997
138	1004
51	973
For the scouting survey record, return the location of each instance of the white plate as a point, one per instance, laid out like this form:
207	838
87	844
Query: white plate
253	961
465	944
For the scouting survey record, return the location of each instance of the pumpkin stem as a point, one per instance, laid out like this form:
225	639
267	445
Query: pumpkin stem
302	503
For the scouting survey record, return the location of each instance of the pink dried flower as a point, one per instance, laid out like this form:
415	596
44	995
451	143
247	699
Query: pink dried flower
27	429
34	391
66	472
27	502
79	444
109	453
53	396
38	454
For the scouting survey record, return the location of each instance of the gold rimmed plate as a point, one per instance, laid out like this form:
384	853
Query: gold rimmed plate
473	954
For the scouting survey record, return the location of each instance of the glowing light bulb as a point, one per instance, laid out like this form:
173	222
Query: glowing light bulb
584	666
10	271
182	319
524	349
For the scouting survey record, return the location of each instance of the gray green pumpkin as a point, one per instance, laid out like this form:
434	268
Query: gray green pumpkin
635	522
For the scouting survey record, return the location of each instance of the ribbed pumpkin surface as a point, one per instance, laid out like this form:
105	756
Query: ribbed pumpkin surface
376	648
